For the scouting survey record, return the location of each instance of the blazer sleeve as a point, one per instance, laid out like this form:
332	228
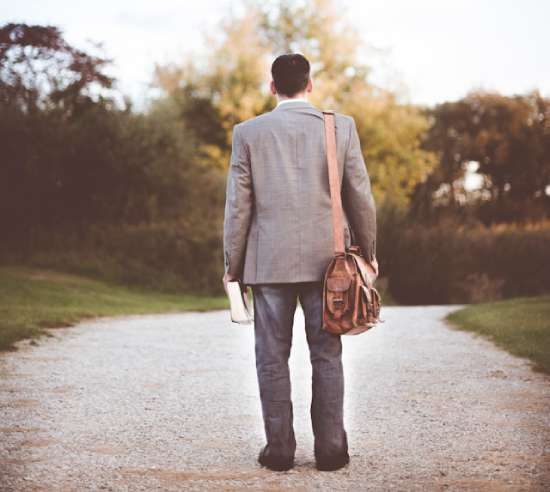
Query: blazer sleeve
238	206
357	197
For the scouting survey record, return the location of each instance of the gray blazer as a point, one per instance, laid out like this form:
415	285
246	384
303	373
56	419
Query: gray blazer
278	222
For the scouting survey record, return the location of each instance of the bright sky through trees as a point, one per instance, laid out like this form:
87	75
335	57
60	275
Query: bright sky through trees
438	50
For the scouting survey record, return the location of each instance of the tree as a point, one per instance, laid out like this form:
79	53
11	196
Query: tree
39	69
70	157
232	85
511	137
222	89
508	139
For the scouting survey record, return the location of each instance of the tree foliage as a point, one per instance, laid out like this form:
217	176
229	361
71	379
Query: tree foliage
70	158
508	139
231	84
39	69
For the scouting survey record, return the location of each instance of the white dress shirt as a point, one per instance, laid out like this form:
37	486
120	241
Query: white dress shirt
282	101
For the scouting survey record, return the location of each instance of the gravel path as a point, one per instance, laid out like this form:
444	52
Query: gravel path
170	402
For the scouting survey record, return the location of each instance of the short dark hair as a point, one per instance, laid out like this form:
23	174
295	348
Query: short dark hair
290	73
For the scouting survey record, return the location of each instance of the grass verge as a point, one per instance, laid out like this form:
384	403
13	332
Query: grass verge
32	300
521	326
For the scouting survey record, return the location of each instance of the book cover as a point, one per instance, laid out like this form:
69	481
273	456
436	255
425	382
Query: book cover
241	308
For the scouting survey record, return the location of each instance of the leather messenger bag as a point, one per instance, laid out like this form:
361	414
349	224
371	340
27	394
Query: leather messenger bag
351	304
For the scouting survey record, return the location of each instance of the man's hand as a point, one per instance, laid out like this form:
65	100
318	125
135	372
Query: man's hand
372	272
374	265
228	278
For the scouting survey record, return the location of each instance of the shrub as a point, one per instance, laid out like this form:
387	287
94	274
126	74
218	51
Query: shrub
448	264
173	255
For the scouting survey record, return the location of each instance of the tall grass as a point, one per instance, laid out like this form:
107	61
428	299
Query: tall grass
447	263
454	264
171	256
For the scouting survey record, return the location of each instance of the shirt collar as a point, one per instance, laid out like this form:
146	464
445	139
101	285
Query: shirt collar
296	99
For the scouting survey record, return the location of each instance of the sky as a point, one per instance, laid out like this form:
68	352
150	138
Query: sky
430	50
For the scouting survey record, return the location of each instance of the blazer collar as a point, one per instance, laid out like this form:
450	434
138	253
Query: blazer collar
299	106
293	104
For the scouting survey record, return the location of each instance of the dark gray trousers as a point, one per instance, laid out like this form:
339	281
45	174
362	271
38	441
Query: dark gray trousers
274	307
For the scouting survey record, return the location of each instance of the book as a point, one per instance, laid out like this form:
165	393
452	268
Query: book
242	311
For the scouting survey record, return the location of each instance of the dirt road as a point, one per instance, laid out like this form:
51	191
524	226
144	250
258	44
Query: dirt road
170	402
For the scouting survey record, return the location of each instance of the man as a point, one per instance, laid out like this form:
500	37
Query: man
278	239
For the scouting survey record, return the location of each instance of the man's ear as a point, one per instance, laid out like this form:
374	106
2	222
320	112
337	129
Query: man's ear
272	88
309	86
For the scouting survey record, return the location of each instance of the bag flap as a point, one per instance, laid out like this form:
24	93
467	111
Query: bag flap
338	284
366	272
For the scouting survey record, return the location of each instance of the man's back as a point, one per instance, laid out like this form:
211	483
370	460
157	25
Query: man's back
278	225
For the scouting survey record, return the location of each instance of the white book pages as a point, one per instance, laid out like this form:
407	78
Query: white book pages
241	309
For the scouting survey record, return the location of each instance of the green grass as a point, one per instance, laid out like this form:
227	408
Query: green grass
33	299
521	326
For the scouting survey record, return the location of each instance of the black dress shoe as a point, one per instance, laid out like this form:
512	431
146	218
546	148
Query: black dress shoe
331	463
275	463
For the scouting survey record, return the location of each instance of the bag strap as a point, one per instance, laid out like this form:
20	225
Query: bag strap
334	183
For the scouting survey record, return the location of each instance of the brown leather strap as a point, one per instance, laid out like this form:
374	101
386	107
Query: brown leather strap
334	183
